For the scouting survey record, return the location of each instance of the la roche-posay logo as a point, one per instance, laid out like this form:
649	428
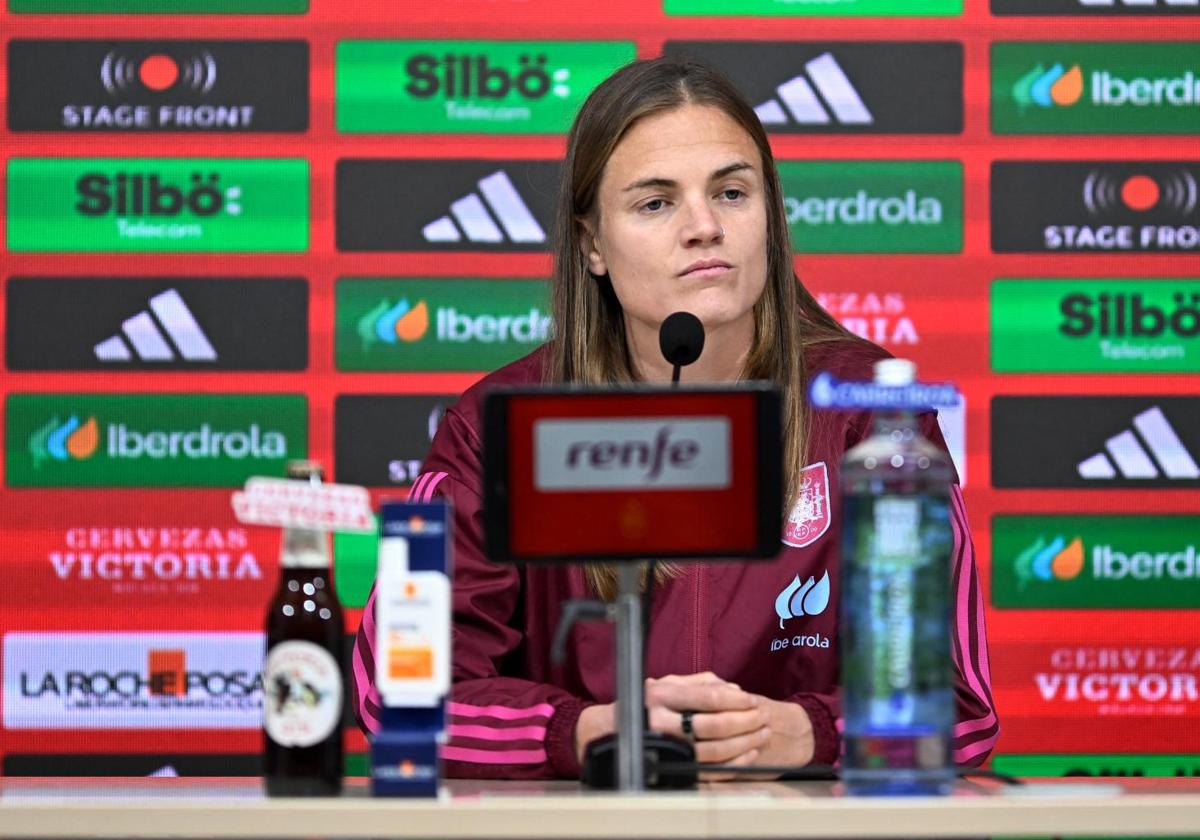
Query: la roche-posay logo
632	453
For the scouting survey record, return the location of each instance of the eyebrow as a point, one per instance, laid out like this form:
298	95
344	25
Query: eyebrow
737	166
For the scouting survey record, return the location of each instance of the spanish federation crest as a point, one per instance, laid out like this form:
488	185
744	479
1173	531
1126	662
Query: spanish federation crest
810	517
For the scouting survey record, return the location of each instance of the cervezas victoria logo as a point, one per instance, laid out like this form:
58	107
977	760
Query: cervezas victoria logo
475	86
1116	87
204	86
1095	207
842	87
157	204
149	440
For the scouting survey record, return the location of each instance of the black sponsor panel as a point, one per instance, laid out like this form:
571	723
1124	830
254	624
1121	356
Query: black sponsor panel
811	87
1095	207
1101	8
445	205
132	764
204	86
381	441
1095	442
169	323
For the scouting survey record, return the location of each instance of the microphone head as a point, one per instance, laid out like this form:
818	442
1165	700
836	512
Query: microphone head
681	338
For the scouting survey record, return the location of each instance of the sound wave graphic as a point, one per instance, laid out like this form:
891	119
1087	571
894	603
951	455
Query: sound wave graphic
1102	192
120	73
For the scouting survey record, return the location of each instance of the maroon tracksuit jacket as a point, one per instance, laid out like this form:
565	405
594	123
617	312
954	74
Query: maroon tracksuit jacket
513	716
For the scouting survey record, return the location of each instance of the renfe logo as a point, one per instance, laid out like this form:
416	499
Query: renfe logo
632	453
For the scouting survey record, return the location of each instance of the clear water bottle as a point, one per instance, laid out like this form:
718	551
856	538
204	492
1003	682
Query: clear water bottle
897	680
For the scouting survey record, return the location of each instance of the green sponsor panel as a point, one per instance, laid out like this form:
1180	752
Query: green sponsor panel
151	440
355	558
1126	562
874	207
216	7
1095	326
491	87
358	764
438	325
815	8
157	204
1072	87
1088	764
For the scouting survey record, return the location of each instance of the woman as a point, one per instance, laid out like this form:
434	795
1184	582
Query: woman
670	201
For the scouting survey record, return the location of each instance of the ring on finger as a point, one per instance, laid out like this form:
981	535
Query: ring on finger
686	724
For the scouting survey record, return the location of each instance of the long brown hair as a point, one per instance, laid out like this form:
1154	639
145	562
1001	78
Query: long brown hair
590	344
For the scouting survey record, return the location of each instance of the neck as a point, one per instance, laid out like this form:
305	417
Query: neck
726	349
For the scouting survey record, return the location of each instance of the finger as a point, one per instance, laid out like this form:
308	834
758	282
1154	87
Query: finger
701	678
705	697
717	726
743	760
719	752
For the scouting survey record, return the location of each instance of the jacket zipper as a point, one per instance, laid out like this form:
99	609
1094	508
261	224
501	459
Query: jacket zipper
698	618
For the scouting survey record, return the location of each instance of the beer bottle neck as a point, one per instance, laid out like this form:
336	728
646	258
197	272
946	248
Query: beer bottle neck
304	549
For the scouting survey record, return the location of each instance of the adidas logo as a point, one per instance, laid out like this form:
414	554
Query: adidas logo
478	224
145	332
1139	3
805	107
1131	458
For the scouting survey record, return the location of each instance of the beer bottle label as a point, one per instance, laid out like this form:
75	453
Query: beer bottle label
304	694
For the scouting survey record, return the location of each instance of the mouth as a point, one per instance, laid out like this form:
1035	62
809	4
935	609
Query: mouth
706	268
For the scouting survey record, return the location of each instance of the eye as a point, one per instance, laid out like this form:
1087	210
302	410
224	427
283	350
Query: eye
654	205
732	194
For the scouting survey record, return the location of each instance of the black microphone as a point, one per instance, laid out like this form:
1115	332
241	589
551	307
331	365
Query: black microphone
681	339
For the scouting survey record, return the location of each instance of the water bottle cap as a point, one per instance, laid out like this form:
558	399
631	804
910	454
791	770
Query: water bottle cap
895	372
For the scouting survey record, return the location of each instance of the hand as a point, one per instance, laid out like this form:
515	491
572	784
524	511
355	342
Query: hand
730	725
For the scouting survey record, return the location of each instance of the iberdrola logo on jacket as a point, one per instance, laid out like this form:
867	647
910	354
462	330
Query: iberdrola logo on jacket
809	597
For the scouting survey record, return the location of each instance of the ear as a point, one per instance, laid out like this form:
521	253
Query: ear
590	248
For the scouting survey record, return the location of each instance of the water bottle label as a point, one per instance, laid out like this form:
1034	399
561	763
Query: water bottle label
303	685
885	752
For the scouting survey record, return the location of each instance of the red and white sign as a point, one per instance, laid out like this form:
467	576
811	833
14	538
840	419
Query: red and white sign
302	504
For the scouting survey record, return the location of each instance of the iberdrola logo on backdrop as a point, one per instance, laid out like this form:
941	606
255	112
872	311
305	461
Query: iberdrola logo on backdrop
1044	560
64	441
1051	87
389	322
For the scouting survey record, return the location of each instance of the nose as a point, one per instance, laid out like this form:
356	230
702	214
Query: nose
702	227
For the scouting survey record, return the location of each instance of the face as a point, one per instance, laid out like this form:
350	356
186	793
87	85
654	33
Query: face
681	221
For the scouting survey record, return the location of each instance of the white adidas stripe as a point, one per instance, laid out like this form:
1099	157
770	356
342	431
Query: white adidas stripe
150	344
1139	3
472	215
805	106
1131	458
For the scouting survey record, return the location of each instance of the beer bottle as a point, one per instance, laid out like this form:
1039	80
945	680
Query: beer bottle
303	686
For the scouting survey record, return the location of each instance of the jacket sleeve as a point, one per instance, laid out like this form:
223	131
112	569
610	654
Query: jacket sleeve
977	727
500	725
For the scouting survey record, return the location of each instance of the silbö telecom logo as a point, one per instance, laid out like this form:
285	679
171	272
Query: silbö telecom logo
131	195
